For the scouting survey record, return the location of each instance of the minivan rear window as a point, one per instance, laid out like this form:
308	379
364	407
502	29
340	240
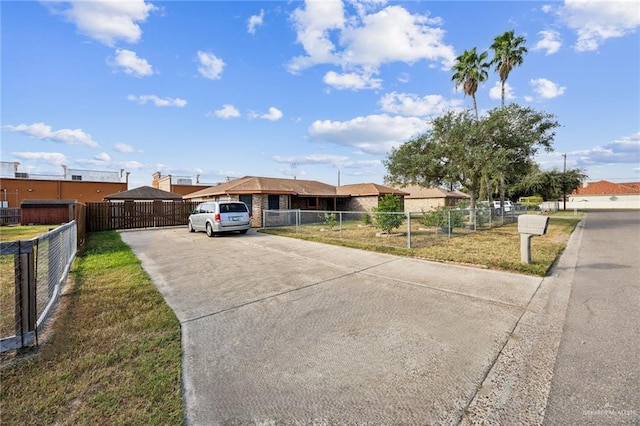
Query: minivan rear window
233	208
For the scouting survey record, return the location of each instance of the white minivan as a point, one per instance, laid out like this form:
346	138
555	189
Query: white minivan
215	217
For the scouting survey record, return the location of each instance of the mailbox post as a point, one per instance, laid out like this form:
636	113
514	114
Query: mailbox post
530	225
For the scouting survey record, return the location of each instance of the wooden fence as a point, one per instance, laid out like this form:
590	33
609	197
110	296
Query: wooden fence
105	216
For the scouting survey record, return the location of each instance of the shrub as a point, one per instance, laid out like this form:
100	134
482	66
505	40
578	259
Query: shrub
330	220
387	218
443	217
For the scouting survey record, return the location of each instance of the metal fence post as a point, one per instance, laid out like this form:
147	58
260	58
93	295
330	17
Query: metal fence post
408	230
25	311
340	218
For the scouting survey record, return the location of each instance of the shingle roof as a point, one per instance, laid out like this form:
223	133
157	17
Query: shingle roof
417	192
299	187
144	193
266	185
367	189
604	187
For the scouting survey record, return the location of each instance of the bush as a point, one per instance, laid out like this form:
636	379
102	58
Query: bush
330	220
444	217
387	217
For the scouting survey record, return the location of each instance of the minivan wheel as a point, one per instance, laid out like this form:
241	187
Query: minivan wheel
244	231
209	230
191	227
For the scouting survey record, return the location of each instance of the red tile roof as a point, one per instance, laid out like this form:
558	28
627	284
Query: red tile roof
604	187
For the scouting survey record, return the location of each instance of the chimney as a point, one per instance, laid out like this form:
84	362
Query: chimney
197	178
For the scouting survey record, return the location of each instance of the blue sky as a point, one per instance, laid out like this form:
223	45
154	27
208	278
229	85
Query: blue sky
224	89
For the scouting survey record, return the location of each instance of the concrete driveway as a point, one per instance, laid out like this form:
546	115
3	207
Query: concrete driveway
282	331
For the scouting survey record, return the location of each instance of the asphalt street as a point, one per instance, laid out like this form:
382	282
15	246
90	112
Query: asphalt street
597	374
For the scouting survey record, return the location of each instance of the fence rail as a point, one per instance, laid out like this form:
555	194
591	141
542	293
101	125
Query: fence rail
33	274
418	228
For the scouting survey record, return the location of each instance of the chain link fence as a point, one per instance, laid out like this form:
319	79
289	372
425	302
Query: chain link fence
410	230
32	274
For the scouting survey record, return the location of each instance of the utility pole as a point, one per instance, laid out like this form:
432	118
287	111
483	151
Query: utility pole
564	183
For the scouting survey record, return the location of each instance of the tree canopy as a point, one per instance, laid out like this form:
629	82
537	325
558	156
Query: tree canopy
461	150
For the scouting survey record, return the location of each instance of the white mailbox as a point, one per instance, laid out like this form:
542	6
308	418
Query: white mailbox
528	226
533	224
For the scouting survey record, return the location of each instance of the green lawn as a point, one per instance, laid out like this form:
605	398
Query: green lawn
115	352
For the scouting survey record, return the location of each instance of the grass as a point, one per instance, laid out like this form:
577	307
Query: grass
114	355
13	233
497	248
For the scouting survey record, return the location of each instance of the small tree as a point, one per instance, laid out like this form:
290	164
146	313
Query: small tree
330	220
386	214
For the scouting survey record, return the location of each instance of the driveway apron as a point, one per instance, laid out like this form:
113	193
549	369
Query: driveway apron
283	331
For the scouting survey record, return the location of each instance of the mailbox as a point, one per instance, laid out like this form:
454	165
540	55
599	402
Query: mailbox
533	224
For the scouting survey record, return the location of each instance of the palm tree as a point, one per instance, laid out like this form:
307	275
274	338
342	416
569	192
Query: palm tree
470	69
508	53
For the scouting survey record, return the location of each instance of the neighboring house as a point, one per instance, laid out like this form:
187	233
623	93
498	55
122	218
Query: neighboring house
182	185
144	193
264	193
79	185
605	195
420	198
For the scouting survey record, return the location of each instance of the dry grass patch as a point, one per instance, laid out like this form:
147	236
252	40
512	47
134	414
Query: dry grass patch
497	248
115	352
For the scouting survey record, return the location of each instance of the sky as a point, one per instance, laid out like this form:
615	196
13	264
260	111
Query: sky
317	90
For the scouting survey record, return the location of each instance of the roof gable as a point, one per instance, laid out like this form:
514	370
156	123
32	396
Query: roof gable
144	193
368	189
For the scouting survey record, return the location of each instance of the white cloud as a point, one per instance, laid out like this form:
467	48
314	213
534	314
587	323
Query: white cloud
255	21
365	41
496	91
54	158
227	111
549	42
546	89
373	134
107	21
274	114
157	101
625	151
131	63
353	81
103	156
338	161
313	25
410	104
44	131
124	148
211	66
595	21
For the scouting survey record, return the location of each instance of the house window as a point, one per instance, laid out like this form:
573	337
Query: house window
274	202
312	202
76	177
248	200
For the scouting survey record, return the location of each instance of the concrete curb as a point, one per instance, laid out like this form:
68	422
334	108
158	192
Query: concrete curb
516	388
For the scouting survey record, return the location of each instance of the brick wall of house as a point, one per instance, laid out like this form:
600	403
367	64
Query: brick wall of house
420	204
362	204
